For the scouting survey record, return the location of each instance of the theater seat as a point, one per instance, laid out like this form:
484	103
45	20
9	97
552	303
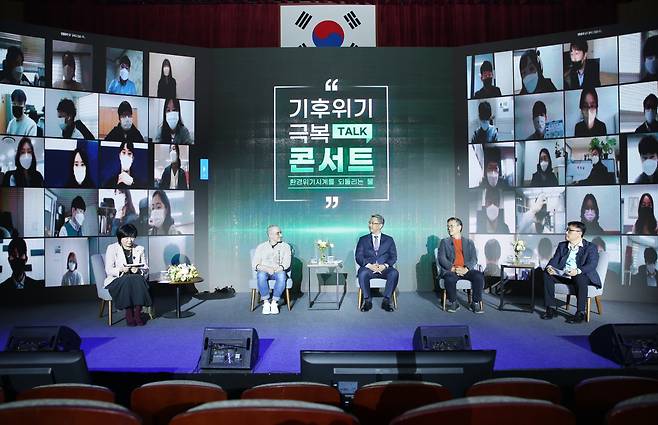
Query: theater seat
73	391
301	391
517	387
637	410
50	411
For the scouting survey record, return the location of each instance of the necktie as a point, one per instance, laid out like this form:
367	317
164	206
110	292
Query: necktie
376	244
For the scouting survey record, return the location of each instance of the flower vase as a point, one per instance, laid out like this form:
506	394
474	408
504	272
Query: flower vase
517	257
323	256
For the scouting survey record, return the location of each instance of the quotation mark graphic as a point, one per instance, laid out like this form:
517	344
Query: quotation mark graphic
331	85
332	201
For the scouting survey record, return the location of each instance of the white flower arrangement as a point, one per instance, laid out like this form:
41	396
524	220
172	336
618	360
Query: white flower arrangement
323	246
519	246
182	272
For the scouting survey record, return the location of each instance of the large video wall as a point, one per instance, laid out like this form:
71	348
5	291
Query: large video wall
565	129
95	132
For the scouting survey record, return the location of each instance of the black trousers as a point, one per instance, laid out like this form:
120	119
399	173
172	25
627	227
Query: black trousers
390	274
579	281
477	284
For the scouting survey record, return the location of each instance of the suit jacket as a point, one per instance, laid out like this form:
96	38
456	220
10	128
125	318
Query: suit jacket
365	251
165	180
28	284
446	254
591	77
115	259
587	259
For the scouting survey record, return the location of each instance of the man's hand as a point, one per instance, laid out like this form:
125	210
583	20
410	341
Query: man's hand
461	271
551	270
571	272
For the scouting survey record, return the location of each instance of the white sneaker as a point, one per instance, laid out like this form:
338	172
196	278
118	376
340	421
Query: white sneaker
274	307
266	307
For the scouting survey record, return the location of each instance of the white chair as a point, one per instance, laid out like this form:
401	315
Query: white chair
253	284
592	291
375	282
462	284
98	268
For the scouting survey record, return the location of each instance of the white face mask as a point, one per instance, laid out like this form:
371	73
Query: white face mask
649	166
543	165
165	71
72	266
650	64
484	125
173	156
589	215
126	123
69	72
530	82
540	123
80	218
157	218
25	160
589	115
595	159
172	119
492	178
61	121
126	162
79	173
492	212
124	74
18	73
651	268
650	115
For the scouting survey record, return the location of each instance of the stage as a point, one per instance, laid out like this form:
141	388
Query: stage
522	340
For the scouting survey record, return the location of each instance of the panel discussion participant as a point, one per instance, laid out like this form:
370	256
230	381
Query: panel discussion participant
573	263
173	176
71	128
539	119
491	218
20	124
376	254
167	82
126	268
172	129
589	107
17	258
650	125
544	176
73	226
486	132
532	74
160	221
125	177
646	273
488	89
272	260
125	130
68	74
72	276
582	72
457	260
12	67
648	149
599	173
26	173
80	176
646	219
122	84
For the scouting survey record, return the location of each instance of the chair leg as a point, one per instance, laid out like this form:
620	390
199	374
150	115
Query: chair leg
102	309
253	299
395	300
566	307
443	299
470	296
599	306
481	305
358	299
288	299
109	312
589	307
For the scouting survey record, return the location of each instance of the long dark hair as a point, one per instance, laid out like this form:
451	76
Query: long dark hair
31	172
87	182
647	219
171	71
550	161
165	136
177	149
590	197
168	221
128	206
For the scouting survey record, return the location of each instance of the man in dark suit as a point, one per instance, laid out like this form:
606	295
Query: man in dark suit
582	72
17	256
376	254
573	263
646	273
457	260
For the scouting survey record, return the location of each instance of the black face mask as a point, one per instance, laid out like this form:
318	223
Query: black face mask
645	211
576	64
17	111
17	265
488	82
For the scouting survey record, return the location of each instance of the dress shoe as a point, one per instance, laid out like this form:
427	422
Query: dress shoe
367	305
549	313
452	306
386	305
579	317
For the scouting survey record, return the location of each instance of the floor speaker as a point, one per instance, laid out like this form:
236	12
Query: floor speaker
626	344
229	349
442	338
43	338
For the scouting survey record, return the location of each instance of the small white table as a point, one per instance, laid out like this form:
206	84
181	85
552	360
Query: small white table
333	267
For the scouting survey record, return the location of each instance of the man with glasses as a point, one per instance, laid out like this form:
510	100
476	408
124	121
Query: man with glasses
457	260
573	263
376	254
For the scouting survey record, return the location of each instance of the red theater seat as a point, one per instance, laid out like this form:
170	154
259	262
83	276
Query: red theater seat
51	411
301	391
517	387
72	391
637	410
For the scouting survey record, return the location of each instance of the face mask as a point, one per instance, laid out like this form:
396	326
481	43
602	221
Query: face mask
543	165
17	265
492	178
124	74
61	122
492	212
589	115
80	218
17	112
650	65
119	203
157	218
577	64
589	215
72	266
18	73
595	159
126	123
165	71
25	160
173	156
650	115
79	174
126	162
540	123
651	268
69	72
530	82
649	166
172	119
488	82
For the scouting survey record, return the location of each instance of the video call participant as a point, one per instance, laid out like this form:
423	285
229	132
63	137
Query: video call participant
492	169
26	173
272	260
491	218
536	219
72	276
68	73
79	170
127	284
544	176
73	226
17	258
457	259
649	53
539	119
167	82
71	128
125	210
646	219
125	177
532	74
646	273
492	253
122	84
582	71
376	254
573	263
172	129
173	176
12	68
648	149
590	214
650	125
589	107
20	124
599	173
160	221
488	89
125	130
486	133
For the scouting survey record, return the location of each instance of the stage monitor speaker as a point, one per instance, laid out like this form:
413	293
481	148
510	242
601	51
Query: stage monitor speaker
229	349
43	338
442	338
626	344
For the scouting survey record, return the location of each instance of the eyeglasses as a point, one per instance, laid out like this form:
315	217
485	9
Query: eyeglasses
374	222
452	226
573	230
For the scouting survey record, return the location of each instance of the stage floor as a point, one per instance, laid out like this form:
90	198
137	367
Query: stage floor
522	340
